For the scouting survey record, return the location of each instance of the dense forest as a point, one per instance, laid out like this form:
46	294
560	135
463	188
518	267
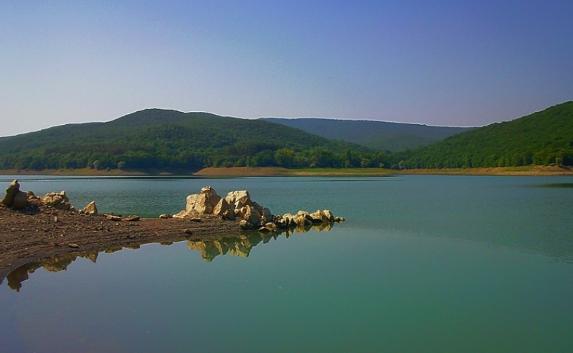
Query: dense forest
168	140
172	140
542	138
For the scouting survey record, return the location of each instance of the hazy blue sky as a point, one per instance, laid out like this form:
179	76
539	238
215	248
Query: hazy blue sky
435	62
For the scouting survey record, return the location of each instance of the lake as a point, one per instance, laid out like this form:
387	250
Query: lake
423	264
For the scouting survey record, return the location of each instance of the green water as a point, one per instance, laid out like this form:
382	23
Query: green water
423	264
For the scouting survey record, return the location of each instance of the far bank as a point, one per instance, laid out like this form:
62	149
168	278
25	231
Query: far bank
365	172
221	172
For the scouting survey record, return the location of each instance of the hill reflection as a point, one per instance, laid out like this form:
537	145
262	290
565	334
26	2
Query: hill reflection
240	245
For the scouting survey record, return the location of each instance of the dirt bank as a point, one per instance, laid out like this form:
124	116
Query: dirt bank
50	232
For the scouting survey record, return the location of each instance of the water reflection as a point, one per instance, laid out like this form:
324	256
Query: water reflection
240	245
555	185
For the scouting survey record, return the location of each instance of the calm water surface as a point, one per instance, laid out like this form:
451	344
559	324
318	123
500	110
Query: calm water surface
423	264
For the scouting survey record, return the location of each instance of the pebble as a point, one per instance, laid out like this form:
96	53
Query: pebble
132	219
73	245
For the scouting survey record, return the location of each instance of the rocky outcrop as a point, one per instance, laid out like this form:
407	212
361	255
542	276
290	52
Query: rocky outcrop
251	215
57	200
200	204
15	198
237	204
90	209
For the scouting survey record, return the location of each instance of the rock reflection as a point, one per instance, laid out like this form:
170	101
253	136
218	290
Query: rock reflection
53	264
240	245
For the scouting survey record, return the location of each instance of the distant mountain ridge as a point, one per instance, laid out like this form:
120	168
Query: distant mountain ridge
168	139
378	135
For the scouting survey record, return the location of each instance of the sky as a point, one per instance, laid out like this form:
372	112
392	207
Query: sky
454	63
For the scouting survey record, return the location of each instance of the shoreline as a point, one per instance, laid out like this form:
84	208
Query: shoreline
225	172
33	237
365	172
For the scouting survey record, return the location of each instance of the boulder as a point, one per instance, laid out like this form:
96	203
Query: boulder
224	210
20	200
238	199
250	214
90	209
270	226
266	215
329	215
165	216
200	204
322	216
245	225
57	200
33	199
11	192
303	218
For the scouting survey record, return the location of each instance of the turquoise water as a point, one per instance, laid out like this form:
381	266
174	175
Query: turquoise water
423	264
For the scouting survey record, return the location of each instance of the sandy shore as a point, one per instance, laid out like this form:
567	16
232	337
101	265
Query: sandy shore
26	238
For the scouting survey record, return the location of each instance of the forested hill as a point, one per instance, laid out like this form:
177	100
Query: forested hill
545	137
379	135
167	139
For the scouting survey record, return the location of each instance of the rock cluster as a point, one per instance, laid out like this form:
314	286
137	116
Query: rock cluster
18	200
237	204
251	215
57	200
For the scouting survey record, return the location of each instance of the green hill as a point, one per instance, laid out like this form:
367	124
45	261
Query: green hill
542	138
378	135
167	139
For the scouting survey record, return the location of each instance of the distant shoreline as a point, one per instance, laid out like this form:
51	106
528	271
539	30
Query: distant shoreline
323	172
361	172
